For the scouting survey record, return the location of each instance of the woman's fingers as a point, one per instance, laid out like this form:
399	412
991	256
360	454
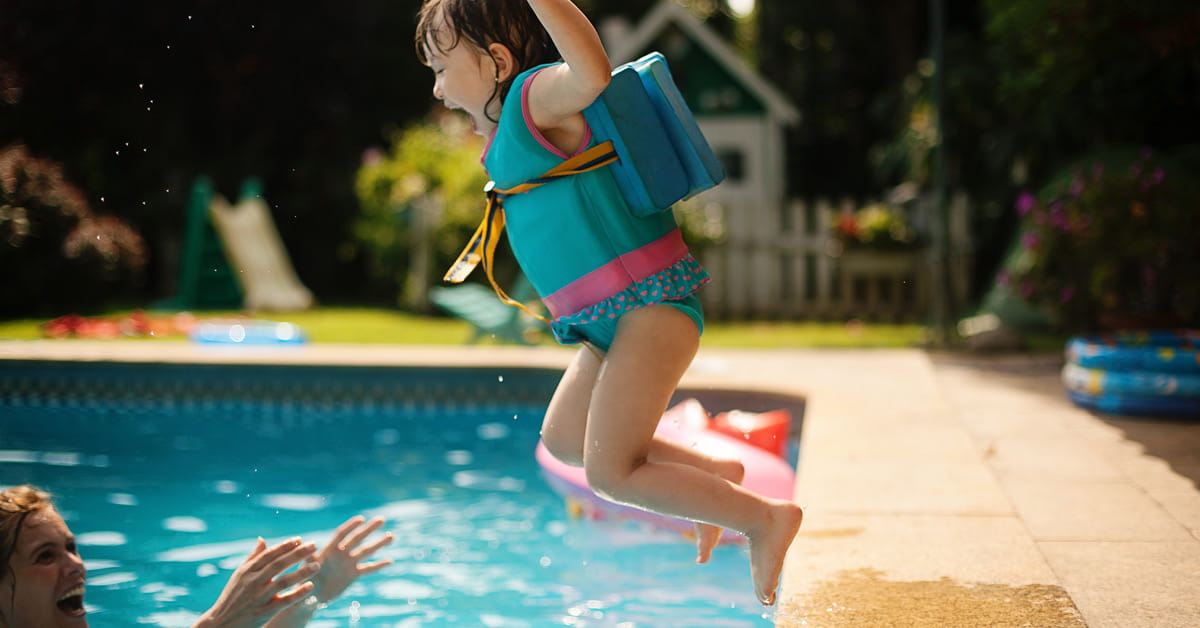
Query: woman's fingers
374	566
302	573
344	530
260	558
364	532
278	558
367	551
285	600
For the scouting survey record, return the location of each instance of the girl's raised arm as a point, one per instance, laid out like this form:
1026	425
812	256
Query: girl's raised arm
561	92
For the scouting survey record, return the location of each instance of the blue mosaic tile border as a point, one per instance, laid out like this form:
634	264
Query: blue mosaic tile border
37	383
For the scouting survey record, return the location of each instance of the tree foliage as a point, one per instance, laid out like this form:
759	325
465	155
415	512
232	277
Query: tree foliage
430	167
138	98
1077	75
55	251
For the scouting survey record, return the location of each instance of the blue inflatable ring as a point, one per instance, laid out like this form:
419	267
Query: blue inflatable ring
1152	351
1138	404
1138	383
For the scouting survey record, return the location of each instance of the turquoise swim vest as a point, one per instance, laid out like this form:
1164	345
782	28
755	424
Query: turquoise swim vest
576	238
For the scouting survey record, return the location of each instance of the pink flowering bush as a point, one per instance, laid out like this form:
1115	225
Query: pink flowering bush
56	253
1112	242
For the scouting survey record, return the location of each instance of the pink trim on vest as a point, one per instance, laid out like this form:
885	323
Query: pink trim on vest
616	275
488	147
537	133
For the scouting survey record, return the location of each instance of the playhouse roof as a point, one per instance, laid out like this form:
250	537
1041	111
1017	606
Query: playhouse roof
669	12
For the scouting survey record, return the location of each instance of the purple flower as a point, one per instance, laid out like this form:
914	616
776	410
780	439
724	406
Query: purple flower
1004	278
1025	203
1058	217
1157	176
1026	289
1030	240
372	156
1066	294
1077	187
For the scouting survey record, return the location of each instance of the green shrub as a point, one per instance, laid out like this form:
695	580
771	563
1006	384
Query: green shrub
431	167
55	252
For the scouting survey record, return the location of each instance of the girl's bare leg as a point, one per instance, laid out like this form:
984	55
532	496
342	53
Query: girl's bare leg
653	348
566	423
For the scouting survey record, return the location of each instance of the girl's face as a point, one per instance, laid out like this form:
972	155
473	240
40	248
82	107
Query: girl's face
43	583
465	79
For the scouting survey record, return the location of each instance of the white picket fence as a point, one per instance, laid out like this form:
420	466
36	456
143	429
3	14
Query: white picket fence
775	263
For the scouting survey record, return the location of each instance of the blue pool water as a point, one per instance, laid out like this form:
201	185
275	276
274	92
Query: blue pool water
167	489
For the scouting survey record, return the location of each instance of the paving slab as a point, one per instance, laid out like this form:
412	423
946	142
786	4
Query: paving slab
1110	502
1092	511
1130	584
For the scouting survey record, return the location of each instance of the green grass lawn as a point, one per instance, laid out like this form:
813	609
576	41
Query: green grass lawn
378	325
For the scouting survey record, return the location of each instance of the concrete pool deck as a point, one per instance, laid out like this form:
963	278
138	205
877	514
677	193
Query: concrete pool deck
939	490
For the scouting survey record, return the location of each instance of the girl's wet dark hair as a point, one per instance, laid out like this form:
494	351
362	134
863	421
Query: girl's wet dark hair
444	24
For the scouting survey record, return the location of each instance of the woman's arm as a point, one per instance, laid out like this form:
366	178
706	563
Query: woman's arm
343	560
257	591
561	92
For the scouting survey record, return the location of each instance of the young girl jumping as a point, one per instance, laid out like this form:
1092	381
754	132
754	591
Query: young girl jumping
523	71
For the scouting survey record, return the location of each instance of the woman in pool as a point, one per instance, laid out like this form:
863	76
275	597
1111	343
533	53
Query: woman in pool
43	577
624	285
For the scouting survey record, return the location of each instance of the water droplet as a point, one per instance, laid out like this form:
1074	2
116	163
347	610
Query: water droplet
544	561
141	86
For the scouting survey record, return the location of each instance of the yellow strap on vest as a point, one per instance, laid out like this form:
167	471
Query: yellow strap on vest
481	249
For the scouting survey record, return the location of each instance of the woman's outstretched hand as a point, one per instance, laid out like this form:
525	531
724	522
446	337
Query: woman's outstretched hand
342	562
257	591
342	559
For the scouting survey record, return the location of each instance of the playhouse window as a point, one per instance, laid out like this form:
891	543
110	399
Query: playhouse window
734	162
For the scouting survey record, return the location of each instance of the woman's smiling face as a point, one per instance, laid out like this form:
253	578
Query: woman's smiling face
43	583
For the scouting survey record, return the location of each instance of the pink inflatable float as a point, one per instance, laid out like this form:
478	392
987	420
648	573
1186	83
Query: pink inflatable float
759	447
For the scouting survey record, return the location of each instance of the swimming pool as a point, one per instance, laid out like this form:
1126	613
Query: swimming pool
167	474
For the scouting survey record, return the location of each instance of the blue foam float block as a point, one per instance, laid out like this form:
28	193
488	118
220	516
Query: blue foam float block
662	155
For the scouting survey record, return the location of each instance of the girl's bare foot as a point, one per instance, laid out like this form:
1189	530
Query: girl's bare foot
707	536
769	546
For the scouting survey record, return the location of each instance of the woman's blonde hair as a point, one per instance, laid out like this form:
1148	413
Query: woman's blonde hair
16	504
